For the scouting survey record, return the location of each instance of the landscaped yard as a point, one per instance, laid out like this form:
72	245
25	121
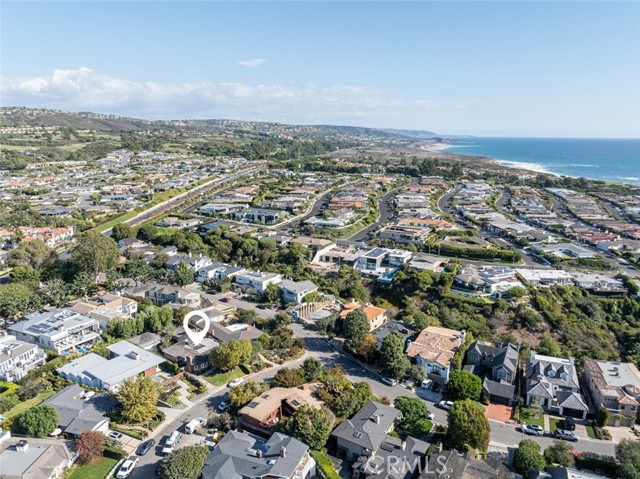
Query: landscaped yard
223	378
554	423
98	469
591	431
23	406
527	419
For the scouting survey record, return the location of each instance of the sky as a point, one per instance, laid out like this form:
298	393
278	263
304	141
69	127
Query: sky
510	68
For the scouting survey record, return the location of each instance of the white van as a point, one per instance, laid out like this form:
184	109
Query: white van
426	383
171	442
193	424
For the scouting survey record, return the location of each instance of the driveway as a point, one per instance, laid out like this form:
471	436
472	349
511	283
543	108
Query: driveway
499	412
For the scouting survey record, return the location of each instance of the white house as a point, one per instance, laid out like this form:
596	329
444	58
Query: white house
257	281
17	358
295	291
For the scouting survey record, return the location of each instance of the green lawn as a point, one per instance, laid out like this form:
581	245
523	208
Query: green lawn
554	423
23	406
591	431
526	419
98	469
223	378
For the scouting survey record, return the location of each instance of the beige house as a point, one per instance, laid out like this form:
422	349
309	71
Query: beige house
616	386
433	351
376	316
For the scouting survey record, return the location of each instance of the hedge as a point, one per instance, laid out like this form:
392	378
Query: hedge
325	466
608	468
114	453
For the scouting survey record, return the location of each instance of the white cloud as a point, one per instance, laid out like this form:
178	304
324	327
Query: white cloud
256	62
84	89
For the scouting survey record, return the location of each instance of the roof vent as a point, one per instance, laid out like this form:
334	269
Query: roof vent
22	446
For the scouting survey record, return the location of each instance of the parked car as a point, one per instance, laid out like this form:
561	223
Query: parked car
566	435
226	299
426	383
115	435
193	424
532	430
430	415
445	404
145	447
127	467
171	442
568	423
436	387
224	406
389	381
235	382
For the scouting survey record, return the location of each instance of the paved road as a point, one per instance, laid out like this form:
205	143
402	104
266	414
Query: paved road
385	216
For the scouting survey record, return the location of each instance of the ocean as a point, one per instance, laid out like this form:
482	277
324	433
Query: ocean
597	159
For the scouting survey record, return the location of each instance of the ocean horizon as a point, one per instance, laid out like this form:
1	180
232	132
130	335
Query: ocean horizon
597	159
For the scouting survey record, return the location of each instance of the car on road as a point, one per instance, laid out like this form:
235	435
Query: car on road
235	382
171	442
127	467
426	383
566	435
145	447
389	381
445	404
115	435
226	299
430	416
532	430
224	406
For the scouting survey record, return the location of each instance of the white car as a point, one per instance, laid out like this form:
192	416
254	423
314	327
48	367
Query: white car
532	430
389	381
445	404
115	435
235	382
171	443
430	416
127	467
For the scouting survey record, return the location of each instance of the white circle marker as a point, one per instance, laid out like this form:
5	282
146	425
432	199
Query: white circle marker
196	337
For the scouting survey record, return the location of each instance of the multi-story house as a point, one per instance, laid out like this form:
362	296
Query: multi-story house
433	350
364	439
497	366
553	382
59	330
256	281
194	263
295	291
240	455
218	271
162	294
376	316
262	216
616	386
17	358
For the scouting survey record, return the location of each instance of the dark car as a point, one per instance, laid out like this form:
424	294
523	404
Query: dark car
145	447
568	423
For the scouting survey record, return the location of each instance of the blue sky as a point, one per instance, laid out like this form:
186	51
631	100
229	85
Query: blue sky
567	69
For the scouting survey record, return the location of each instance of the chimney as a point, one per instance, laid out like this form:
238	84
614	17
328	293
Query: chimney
463	336
283	452
22	446
258	453
376	419
572	360
404	445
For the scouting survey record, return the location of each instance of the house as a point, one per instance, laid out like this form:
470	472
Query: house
35	458
218	271
425	262
365	441
235	331
59	330
240	455
128	243
616	386
405	234
295	291
433	350
381	261
146	341
162	294
194	358
452	464
107	307
563	473
554	383
256	281
194	263
365	432
52	237
17	358
262	216
125	361
598	282
497	366
264	412
78	414
376	316
406	331
544	277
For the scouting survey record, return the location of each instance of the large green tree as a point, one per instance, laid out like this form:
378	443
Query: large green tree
464	385
38	421
528	458
309	425
392	357
232	354
17	299
183	275
412	409
558	453
138	398
356	327
468	426
95	252
241	395
31	254
628	456
55	292
184	463
122	231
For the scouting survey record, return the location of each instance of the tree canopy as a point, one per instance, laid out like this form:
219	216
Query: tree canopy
184	463
528	458
309	425
230	355
464	385
392	357
138	398
38	421
468	425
